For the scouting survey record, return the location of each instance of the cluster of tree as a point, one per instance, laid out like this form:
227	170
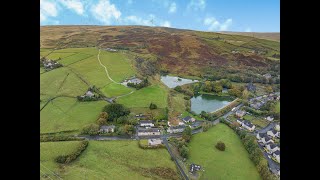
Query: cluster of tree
120	47
102	119
53	138
126	129
254	151
236	91
147	67
91	129
182	146
184	91
141	85
153	106
206	126
65	159
221	146
115	111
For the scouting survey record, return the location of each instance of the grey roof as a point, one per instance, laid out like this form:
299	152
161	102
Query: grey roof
148	130
266	138
248	123
187	118
277	152
146	121
272	145
274	131
262	135
107	127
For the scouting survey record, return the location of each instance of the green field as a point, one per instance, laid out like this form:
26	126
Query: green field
74	58
62	81
57	55
49	151
67	114
277	107
112	90
233	163
106	159
144	96
258	121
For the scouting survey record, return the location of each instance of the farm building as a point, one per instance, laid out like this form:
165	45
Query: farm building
146	123
148	131
194	168
176	129
135	81
154	142
240	113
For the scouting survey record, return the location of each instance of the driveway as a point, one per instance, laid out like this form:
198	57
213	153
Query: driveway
272	164
267	128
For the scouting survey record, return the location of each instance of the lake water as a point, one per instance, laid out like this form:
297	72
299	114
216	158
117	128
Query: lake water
172	81
208	103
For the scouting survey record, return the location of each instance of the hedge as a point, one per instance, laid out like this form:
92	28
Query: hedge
50	138
65	159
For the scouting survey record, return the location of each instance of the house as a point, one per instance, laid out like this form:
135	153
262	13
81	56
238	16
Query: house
270	118
154	142
176	129
266	140
261	135
135	81
107	129
148	131
273	133
240	113
276	154
251	87
194	168
277	127
148	123
271	147
246	124
89	94
188	119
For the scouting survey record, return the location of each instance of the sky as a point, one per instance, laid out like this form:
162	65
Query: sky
203	15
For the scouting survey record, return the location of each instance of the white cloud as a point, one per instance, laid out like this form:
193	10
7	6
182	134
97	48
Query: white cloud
75	5
138	20
248	29
216	25
47	9
173	7
166	24
196	5
105	12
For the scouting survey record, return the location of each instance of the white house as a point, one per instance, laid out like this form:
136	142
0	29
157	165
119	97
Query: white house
146	123
107	129
277	127
246	124
176	129
271	147
188	119
273	133
266	140
154	142
276	154
148	131
269	118
240	113
89	94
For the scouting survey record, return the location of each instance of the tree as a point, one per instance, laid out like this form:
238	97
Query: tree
245	94
122	120
184	151
101	121
269	89
217	87
153	106
221	146
128	129
235	92
115	111
186	134
103	115
178	88
91	129
207	86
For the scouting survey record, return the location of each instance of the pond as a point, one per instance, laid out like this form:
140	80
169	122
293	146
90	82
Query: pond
173	81
209	103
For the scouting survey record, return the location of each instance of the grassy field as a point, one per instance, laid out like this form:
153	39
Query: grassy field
116	159
277	107
258	121
57	55
61	81
66	114
74	58
112	90
49	151
233	163
144	96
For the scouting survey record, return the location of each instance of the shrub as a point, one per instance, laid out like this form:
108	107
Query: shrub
221	146
65	159
91	129
115	111
153	106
